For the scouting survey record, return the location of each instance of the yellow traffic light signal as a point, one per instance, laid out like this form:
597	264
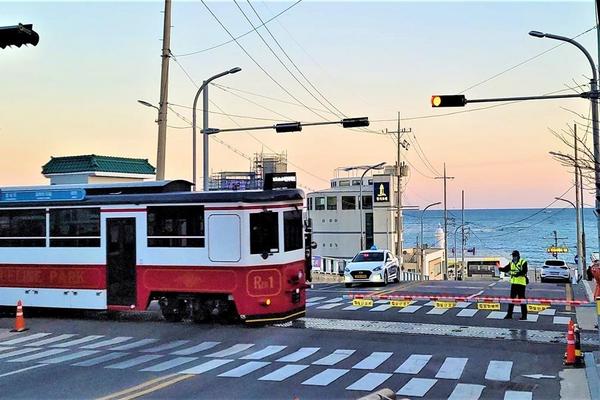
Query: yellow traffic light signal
454	100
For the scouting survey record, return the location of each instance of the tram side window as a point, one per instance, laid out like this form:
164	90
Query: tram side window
264	233
292	230
23	228
319	203
75	227
176	226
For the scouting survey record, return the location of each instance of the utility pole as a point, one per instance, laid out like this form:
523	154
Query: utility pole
164	94
577	207
462	247
445	178
399	222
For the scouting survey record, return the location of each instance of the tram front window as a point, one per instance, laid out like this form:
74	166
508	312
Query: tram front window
264	233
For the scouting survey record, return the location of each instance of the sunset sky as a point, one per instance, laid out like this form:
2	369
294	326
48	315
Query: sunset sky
75	93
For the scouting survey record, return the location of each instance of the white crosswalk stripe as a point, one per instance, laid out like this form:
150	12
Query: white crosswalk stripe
55	339
70	357
382	307
165	365
266	352
437	311
334	300
335	357
166	346
312	299
99	360
283	373
351	308
134	345
326	377
205	367
107	342
369	382
245	369
373	361
24	339
548	311
196	349
409	309
561	320
515	395
237	348
76	342
413	364
329	306
496	315
452	368
417	387
19	352
133	361
464	391
299	355
499	371
37	356
467	312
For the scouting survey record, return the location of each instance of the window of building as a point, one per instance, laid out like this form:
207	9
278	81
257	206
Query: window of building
176	226
348	202
331	203
319	203
264	233
333	184
23	228
355	182
344	183
367	202
75	227
292	230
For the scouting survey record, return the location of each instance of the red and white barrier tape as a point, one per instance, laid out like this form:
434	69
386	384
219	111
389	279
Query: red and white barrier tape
468	299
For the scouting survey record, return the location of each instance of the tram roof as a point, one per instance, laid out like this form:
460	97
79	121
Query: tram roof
155	192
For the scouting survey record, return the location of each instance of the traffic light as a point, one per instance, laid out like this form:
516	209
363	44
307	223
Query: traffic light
454	100
355	122
288	127
18	35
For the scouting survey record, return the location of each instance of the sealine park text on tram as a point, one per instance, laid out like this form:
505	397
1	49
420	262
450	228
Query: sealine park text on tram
235	255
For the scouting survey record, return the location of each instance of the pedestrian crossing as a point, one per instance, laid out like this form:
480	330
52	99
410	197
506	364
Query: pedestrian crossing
460	310
354	370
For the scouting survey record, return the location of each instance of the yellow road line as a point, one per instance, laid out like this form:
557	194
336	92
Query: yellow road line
388	291
569	294
142	386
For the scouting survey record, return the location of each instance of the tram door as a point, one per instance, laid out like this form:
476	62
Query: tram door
120	261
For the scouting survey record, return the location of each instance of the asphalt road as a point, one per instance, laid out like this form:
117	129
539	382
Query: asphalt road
332	353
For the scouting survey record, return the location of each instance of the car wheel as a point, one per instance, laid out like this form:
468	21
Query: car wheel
543	280
348	285
385	278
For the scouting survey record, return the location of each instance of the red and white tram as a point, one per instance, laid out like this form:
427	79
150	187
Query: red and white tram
120	246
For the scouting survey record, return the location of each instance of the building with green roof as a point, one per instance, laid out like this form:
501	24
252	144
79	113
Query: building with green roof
97	169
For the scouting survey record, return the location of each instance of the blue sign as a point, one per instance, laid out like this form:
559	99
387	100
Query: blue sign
42	195
576	259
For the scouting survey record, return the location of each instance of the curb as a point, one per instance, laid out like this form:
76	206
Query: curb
591	373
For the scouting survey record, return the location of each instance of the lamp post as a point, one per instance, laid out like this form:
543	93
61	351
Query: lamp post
594	100
360	200
422	213
579	245
204	88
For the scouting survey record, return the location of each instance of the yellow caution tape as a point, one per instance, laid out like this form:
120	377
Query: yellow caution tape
445	304
362	303
400	303
488	306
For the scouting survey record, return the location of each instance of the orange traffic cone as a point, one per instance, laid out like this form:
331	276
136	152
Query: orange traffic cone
20	320
570	357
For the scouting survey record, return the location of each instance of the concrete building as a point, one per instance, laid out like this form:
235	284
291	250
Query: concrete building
433	259
96	169
336	215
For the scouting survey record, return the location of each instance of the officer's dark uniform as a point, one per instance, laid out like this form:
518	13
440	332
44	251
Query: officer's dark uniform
518	283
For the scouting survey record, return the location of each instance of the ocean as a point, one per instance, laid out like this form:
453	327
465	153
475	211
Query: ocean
498	232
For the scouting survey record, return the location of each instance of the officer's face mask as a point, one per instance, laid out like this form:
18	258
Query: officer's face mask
515	259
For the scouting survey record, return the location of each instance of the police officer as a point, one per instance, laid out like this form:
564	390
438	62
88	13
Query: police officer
518	282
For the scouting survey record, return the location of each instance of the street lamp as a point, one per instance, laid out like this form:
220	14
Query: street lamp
422	213
360	199
204	87
579	246
594	100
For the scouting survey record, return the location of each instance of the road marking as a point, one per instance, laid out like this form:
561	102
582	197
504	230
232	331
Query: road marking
175	362
373	361
101	359
334	300
299	354
146	387
25	338
329	306
267	351
351	308
452	368
133	361
313	299
417	387
475	295
499	371
237	348
335	357
467	312
69	357
413	364
75	342
108	342
51	340
382	302
37	356
166	346
326	377
283	373
381	307
134	345
464	391
196	349
409	309
540	376
205	367
496	315
245	369
514	395
437	311
462	304
369	382
492	284
561	320
429	304
569	295
548	311
22	370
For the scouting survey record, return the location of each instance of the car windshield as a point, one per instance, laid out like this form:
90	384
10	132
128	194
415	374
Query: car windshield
366	257
555	263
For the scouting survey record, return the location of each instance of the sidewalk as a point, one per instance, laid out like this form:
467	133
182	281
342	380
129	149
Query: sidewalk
587	320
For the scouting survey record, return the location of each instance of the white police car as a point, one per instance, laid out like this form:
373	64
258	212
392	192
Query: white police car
378	266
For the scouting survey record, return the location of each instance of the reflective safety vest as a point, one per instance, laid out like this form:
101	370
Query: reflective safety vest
516	269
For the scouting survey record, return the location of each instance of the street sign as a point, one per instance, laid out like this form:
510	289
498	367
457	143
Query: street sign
362	303
576	259
537	307
400	303
41	195
445	304
557	249
488	306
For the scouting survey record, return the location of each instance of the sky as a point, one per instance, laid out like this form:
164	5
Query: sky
75	93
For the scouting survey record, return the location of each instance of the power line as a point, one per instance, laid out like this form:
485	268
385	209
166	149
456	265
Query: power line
240	36
225	114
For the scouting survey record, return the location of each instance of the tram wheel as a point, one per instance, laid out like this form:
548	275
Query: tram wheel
172	310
